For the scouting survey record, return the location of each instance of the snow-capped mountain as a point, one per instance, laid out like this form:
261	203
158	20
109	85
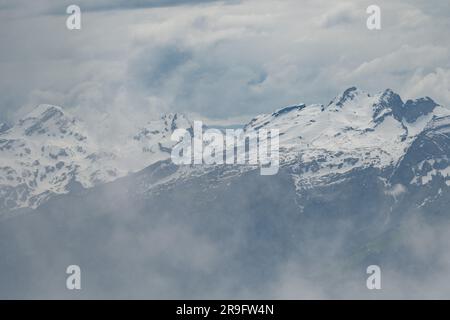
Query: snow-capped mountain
363	180
355	130
50	152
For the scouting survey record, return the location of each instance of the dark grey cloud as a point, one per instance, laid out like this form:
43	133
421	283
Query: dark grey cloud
138	4
58	7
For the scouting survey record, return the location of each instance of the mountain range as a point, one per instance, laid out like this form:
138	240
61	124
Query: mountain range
363	180
50	152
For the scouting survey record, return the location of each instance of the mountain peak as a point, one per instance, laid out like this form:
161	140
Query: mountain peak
173	116
174	121
348	95
422	100
388	103
388	92
409	111
413	109
388	96
162	127
47	119
45	111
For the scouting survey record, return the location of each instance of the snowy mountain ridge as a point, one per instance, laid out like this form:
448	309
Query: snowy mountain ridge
355	129
50	152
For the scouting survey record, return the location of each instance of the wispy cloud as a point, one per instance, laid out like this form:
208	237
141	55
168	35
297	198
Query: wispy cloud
216	58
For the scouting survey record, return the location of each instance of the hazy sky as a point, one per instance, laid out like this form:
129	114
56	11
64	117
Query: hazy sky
217	59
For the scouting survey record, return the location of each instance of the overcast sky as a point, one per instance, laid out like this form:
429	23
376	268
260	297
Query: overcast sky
218	59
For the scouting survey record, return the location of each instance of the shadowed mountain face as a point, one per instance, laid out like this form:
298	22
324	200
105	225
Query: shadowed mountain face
363	181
